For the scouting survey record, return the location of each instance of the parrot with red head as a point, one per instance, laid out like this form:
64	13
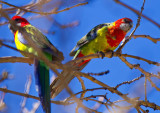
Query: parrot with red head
25	32
102	38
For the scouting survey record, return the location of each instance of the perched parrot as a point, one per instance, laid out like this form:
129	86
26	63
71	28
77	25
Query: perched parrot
102	38
25	32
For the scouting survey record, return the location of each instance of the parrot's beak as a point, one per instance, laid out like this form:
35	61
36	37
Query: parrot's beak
131	24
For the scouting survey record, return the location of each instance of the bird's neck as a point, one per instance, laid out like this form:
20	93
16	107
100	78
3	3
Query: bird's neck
115	36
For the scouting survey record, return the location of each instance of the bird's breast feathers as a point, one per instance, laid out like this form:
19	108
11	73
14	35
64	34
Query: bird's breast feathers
21	43
108	38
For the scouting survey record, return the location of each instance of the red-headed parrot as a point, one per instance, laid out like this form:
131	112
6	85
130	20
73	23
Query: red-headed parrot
25	32
102	38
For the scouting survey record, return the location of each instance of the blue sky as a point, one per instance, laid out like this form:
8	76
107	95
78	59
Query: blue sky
88	16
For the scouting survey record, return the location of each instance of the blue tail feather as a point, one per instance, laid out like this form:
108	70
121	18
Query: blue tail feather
42	81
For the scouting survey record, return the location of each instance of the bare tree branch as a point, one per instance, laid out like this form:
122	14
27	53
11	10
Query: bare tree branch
54	11
137	12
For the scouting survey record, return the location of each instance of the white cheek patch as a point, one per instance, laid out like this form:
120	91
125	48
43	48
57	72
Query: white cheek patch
125	27
18	24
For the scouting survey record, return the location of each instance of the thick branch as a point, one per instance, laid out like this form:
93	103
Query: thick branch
14	59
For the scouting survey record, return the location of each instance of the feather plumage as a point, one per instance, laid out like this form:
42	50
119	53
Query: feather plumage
25	33
102	38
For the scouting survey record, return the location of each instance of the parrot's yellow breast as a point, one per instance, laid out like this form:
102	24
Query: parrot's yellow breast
22	47
98	44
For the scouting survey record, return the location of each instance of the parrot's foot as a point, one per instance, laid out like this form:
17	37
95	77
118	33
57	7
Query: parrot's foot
111	53
102	54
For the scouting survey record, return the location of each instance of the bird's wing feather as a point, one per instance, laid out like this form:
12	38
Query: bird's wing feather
40	40
90	36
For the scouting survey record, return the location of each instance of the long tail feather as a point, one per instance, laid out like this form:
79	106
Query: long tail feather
59	84
42	82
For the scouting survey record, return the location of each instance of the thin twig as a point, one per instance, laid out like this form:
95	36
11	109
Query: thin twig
137	12
4	76
142	110
153	84
145	86
82	85
137	25
101	88
129	82
5	40
33	97
27	89
99	74
54	11
140	58
126	62
154	40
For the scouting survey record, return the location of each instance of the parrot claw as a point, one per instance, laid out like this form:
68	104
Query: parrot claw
111	53
102	54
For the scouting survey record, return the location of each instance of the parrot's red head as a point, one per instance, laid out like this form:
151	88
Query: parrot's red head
118	29
21	22
125	24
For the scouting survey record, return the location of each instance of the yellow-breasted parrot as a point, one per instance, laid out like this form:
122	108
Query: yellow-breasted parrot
25	32
102	38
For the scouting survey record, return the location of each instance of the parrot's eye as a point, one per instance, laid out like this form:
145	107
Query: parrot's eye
126	20
17	20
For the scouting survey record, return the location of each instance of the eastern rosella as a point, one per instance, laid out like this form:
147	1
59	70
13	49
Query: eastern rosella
102	38
22	33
